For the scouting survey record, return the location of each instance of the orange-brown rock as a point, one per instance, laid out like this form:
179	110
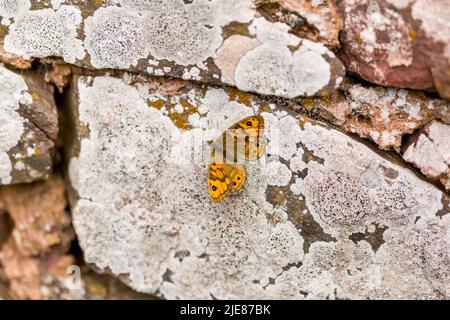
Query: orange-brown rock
59	74
39	215
21	272
15	60
37	230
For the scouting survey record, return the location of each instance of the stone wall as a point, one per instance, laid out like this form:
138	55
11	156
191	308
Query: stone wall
107	114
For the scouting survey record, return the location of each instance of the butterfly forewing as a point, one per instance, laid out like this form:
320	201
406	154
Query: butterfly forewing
251	134
244	141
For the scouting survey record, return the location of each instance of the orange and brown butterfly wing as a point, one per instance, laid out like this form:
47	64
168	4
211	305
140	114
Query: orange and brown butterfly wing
243	141
250	131
225	179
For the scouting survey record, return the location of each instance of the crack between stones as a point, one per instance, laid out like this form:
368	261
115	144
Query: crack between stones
43	131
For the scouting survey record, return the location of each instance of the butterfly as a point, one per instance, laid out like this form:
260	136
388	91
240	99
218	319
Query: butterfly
243	141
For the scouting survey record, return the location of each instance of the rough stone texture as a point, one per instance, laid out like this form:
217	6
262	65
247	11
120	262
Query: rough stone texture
35	236
429	150
398	43
58	74
34	262
28	279
392	118
28	127
34	253
322	216
104	286
314	20
39	216
14	60
5	227
222	42
384	115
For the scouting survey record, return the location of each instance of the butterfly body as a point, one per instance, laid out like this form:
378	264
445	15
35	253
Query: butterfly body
242	142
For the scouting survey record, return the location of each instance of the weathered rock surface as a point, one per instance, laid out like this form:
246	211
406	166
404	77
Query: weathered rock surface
398	43
33	258
35	277
314	20
222	42
393	119
322	216
28	127
38	214
384	115
35	236
429	150
14	60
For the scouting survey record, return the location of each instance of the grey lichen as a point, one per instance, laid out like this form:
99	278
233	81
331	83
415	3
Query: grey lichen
47	32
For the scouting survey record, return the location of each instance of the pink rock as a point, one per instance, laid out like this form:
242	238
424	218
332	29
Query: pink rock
397	43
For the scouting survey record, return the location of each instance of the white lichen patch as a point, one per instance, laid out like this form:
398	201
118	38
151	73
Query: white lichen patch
143	208
271	68
185	33
350	191
278	174
192	32
13	92
115	38
12	8
47	32
431	151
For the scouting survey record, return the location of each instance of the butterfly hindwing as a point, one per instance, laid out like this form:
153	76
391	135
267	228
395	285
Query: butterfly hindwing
225	179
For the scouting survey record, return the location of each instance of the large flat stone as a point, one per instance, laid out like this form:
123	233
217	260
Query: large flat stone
322	217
